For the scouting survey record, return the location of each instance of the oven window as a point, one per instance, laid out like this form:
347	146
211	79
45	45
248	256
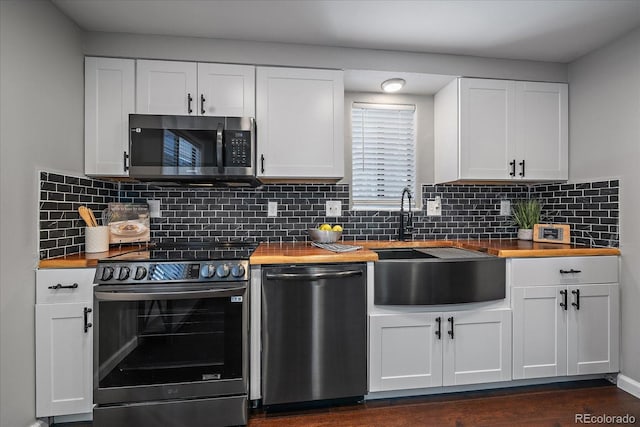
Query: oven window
169	341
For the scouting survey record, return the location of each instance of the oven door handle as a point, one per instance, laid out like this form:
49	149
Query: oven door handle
149	296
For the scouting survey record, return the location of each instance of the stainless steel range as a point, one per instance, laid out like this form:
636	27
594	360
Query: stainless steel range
171	336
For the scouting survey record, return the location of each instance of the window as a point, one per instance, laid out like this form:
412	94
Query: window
384	155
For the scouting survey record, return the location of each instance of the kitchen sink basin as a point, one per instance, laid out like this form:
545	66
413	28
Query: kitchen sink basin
401	254
434	276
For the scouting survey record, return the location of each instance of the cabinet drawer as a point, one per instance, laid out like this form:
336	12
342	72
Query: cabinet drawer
563	270
47	280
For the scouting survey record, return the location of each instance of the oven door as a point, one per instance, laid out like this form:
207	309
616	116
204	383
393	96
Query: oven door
164	342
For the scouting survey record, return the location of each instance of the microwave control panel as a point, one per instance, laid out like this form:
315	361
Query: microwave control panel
237	148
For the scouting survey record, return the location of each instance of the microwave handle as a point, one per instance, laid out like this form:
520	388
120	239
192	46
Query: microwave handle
219	148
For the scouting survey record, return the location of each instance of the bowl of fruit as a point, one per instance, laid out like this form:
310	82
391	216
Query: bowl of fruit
326	233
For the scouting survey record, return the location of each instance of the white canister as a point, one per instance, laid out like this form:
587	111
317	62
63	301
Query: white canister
96	239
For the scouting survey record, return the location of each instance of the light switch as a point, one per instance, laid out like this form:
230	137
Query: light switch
434	207
272	209
505	207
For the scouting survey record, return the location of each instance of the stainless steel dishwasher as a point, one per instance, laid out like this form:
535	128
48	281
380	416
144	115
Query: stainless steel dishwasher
314	333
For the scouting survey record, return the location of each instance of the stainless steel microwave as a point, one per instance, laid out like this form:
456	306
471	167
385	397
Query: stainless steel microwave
192	149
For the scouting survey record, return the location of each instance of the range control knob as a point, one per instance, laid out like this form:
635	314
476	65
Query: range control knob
207	270
124	273
107	273
237	270
141	273
222	270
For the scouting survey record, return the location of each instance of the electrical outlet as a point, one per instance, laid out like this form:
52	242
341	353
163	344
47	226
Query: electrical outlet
434	207
272	209
505	207
334	208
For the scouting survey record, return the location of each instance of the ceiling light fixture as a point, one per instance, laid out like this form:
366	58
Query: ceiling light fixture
392	85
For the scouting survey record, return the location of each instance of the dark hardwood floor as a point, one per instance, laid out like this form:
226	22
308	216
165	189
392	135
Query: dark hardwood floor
548	405
543	405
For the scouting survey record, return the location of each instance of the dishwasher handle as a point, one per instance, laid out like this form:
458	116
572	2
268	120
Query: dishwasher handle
314	276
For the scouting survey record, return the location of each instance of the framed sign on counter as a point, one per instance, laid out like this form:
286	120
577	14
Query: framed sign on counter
551	233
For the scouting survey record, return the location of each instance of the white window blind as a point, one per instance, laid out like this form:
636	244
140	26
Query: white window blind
383	153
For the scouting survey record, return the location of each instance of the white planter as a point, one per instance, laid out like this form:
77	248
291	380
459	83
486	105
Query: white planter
525	234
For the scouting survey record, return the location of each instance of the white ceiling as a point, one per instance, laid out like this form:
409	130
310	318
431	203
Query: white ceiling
544	30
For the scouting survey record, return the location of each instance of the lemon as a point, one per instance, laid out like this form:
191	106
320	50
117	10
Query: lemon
325	227
337	227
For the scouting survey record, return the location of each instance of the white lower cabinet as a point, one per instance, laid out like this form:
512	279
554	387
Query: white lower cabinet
571	327
417	350
64	341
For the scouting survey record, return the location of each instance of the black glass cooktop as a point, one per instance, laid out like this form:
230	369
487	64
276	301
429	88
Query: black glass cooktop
191	251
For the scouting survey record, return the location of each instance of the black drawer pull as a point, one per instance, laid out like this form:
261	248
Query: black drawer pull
87	325
513	167
450	319
564	297
61	286
577	303
572	271
439	330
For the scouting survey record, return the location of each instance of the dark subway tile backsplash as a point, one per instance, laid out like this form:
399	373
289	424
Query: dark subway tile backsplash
188	214
61	228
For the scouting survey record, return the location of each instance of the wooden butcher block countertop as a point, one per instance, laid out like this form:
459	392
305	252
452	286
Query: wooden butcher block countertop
304	252
86	260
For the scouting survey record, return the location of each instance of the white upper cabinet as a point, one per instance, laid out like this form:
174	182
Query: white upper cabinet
166	87
501	130
226	90
542	126
299	120
109	99
197	89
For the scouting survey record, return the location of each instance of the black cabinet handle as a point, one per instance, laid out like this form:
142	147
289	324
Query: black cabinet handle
513	167
564	297
572	271
61	286
576	304
439	330
522	165
261	163
87	324
189	101
125	163
202	110
450	319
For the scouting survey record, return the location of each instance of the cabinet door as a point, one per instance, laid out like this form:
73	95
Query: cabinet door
404	352
487	118
166	87
542	130
300	123
226	90
477	347
63	360
594	327
109	91
539	332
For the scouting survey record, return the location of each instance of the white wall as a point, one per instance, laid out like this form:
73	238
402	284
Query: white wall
41	117
604	116
232	51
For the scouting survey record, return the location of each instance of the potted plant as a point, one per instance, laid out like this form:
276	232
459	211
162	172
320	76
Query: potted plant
525	214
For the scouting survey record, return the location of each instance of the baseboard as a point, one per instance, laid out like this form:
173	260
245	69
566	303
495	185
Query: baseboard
629	385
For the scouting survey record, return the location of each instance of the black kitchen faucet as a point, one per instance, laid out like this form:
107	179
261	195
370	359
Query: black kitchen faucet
406	218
